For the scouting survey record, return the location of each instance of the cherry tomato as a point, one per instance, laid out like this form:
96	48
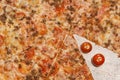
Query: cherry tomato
98	59
86	47
1	40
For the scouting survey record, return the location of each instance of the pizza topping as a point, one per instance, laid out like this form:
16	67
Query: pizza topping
1	11
3	18
1	40
57	31
86	47
8	66
98	60
45	66
8	50
23	68
71	8
60	7
29	77
30	53
41	28
54	69
61	45
101	11
20	15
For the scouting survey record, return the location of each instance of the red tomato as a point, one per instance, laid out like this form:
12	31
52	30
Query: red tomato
57	30
20	15
86	47
45	65
30	53
43	30
98	59
1	40
55	69
60	8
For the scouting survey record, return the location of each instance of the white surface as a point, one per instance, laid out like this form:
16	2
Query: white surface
110	70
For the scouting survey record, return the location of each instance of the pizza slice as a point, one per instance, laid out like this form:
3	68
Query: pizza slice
70	64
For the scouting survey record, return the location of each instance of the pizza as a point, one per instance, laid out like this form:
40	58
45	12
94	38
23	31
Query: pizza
36	37
37	44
